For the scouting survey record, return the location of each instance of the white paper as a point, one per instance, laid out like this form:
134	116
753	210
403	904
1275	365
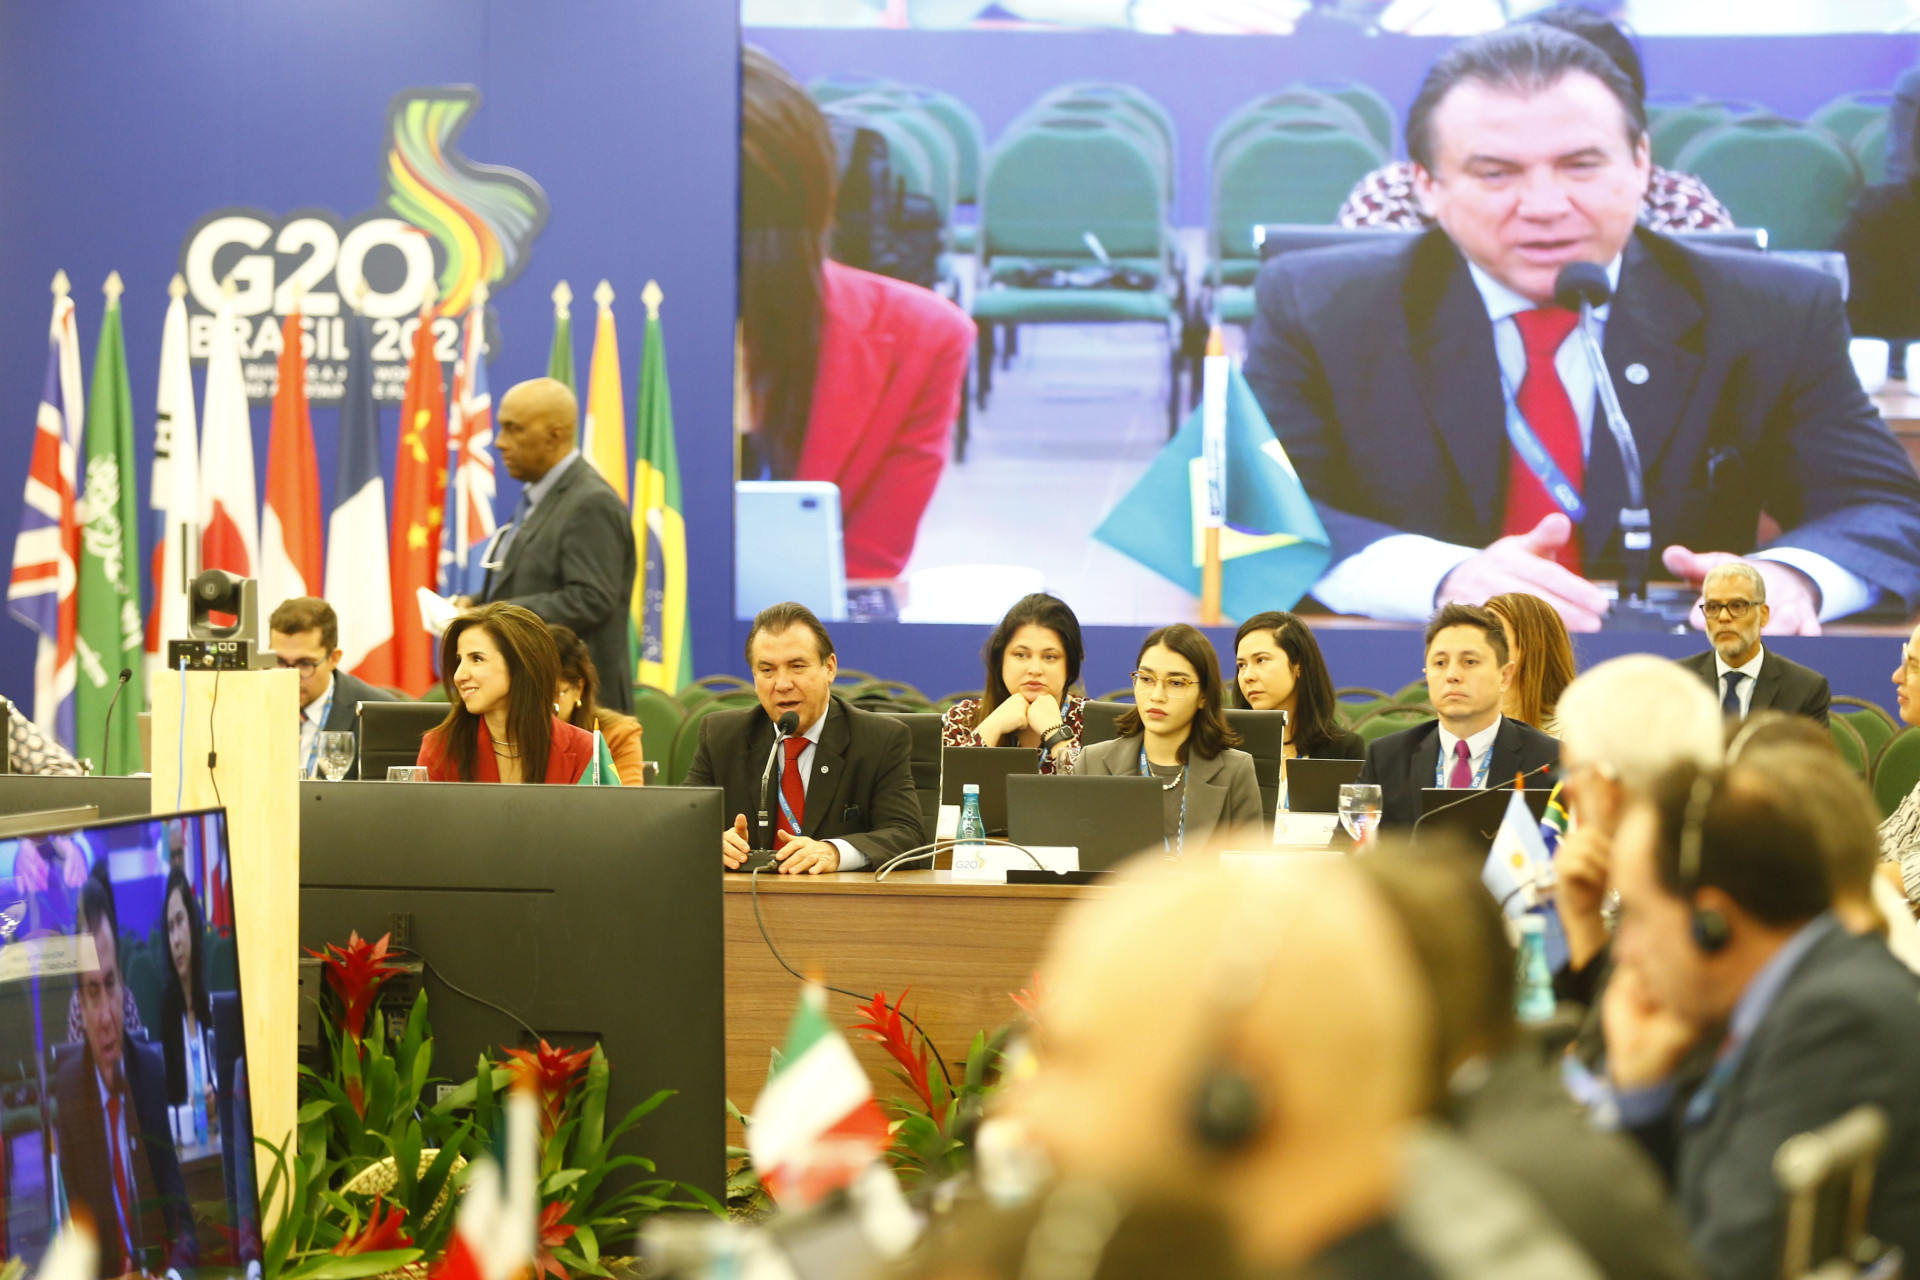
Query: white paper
436	611
1305	830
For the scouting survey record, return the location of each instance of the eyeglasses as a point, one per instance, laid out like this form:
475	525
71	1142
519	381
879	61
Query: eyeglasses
1172	684
305	666
1735	609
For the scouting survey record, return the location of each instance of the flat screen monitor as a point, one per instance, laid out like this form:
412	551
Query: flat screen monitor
1108	819
125	1077
113	797
586	914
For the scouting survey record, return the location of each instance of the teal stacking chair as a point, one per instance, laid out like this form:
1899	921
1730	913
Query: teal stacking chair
845	84
1870	149
1849	113
1144	104
1896	771
1366	102
1681	125
1122	113
942	174
1796	180
1288	104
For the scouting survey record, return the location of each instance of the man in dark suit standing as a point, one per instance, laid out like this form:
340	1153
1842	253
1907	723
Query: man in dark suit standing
1743	673
1471	744
842	796
1441	413
116	1147
568	555
1726	938
304	633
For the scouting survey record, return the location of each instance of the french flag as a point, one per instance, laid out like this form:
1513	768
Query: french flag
229	508
358	585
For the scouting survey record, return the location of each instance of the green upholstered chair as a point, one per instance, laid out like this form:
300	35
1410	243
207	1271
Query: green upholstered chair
942	157
1870	149
660	715
1847	739
1896	771
1849	113
1796	180
1366	102
1682	124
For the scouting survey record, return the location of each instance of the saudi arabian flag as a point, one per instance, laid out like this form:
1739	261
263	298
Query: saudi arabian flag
661	635
816	1126
560	358
111	634
600	771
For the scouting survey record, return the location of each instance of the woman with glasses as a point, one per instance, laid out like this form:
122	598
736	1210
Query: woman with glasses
1900	833
501	671
1033	658
1278	667
1176	731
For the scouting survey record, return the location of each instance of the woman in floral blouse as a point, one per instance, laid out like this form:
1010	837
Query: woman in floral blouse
1033	658
1900	834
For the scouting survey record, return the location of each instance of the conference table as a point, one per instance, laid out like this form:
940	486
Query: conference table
962	948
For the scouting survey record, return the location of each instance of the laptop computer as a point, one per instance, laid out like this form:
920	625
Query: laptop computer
787	546
1313	786
990	767
1473	816
1108	819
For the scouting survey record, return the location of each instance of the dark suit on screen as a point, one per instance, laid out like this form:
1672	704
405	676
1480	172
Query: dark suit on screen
1783	684
1403	764
573	564
343	716
1843	1030
162	1229
860	789
1376	366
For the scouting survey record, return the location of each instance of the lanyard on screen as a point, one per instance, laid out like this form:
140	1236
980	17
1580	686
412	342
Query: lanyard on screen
1538	460
1180	850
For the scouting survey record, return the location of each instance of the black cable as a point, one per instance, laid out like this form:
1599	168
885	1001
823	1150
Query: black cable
754	884
462	991
213	756
934	849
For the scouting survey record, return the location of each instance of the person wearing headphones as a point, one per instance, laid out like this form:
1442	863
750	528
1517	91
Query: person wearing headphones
1726	930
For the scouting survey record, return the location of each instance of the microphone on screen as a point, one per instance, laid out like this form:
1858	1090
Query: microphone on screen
126	674
1518	778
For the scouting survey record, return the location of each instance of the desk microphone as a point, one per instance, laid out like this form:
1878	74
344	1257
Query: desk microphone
106	740
1583	286
1473	792
784	728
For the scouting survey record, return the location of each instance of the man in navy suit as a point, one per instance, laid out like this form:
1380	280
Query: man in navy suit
1395	374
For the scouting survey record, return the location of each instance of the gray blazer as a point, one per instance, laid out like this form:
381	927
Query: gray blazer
1783	684
1221	792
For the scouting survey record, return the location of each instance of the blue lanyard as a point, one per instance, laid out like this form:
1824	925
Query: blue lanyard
326	709
1181	850
1443	768
786	810
1539	461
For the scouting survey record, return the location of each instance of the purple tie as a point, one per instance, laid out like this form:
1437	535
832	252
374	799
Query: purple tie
1462	766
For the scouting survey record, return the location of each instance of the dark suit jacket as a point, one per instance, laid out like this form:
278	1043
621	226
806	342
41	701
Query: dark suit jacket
1403	764
1375	364
573	564
1844	1029
343	717
1221	792
1600	1187
1783	684
860	789
163	1231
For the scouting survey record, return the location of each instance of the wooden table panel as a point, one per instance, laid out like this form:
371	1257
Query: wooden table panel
962	948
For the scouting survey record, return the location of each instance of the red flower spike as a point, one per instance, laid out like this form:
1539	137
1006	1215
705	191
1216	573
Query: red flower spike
553	1234
356	972
885	1028
551	1073
1030	998
383	1231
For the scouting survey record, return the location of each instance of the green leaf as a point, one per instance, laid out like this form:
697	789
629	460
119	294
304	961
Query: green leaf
354	1266
468	1094
592	1095
561	1181
314	1110
589	1245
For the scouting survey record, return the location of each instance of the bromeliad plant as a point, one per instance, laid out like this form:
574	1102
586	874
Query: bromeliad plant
932	1129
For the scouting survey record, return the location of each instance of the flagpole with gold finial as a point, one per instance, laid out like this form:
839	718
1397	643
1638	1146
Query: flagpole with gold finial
1213	455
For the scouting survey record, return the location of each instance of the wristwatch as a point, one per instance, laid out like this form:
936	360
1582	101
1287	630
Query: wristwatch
1055	736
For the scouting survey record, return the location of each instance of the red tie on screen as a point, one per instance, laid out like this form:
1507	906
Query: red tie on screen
117	1157
1544	404
1462	776
790	788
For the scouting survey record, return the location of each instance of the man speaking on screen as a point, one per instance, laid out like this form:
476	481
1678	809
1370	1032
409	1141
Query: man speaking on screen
1442	414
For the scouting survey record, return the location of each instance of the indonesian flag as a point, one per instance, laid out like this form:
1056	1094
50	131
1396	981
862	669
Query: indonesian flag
229	510
175	490
358	587
494	1233
470	519
43	591
816	1126
419	497
290	530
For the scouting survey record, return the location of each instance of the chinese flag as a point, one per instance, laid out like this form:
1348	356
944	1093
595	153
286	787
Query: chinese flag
419	499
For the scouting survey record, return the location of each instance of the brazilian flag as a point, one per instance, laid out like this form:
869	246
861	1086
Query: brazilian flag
1273	548
663	643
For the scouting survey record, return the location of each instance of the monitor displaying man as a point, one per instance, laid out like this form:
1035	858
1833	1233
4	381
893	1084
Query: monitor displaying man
1441	411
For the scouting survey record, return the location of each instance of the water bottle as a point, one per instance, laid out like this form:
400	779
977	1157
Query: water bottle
970	849
1533	988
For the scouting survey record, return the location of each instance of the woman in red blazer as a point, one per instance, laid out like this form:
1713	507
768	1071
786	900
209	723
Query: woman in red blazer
851	377
499	667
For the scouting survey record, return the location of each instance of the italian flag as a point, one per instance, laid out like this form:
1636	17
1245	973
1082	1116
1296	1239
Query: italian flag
816	1126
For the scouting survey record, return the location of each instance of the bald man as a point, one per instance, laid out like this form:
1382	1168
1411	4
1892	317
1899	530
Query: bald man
569	553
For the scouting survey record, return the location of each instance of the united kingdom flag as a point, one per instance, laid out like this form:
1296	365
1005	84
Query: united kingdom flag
46	555
469	521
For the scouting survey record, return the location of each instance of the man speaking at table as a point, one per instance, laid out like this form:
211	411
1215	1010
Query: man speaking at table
1388	370
841	794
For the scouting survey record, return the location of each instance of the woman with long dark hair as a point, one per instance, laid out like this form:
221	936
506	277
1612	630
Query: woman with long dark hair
1176	731
1278	667
1033	659
501	673
577	701
186	1015
848	376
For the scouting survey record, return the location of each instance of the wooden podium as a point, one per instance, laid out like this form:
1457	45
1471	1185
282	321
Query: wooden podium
250	718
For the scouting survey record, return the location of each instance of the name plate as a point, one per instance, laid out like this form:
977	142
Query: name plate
1305	830
989	864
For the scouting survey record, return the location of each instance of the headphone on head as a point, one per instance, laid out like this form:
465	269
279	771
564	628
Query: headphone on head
1711	930
1227	1108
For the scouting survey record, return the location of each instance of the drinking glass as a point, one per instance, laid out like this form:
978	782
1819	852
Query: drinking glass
406	773
336	754
1359	809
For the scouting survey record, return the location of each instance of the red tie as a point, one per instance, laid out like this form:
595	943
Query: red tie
1462	776
790	788
1543	402
117	1157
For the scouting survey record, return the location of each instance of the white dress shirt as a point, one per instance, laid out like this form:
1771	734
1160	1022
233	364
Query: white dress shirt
1397	578
851	859
1750	669
1479	747
312	721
